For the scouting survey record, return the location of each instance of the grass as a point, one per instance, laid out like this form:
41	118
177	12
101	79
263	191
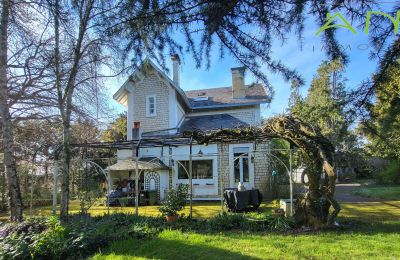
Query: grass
200	210
377	239
381	192
374	234
235	245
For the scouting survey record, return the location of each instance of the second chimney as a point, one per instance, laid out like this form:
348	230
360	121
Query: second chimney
176	62
238	88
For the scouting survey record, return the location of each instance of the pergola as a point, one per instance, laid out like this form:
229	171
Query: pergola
191	138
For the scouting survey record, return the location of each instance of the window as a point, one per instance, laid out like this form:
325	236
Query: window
241	164
202	169
151	105
202	98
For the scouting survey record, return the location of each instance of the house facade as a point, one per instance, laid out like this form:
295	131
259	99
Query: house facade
158	106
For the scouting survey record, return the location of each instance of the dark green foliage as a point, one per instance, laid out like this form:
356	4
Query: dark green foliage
83	235
391	173
80	236
381	121
116	130
226	222
324	106
175	200
243	29
280	223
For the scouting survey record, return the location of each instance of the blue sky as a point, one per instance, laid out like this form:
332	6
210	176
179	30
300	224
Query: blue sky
305	60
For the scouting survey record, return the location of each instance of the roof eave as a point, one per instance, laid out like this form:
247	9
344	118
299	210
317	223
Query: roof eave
232	105
121	96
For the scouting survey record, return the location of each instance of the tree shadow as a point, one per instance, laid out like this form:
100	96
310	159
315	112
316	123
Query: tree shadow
159	248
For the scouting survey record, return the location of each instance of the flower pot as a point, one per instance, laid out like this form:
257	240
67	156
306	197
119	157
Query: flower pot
172	218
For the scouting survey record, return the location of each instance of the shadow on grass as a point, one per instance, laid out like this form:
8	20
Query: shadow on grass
159	248
357	226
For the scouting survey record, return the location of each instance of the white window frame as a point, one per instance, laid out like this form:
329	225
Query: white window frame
232	183
148	114
197	160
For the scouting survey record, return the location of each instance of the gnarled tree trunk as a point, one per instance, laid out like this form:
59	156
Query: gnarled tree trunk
313	208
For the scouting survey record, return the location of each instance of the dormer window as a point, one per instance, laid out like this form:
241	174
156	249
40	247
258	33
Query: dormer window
151	105
200	98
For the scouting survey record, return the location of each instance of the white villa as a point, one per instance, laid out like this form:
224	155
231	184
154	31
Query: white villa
159	106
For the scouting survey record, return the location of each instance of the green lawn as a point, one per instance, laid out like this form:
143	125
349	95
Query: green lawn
381	192
373	232
236	245
375	235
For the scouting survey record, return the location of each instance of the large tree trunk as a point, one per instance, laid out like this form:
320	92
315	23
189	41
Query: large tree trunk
314	207
14	193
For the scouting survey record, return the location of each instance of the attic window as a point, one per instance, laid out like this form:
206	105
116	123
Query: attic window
201	98
151	105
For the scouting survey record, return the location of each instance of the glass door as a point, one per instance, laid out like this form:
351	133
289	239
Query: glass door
241	166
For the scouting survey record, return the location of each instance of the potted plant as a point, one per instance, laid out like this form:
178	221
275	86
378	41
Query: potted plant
174	202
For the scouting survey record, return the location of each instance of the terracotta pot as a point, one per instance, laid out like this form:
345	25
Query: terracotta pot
172	218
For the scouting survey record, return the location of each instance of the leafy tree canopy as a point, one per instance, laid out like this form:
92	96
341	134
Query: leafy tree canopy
324	105
116	131
382	126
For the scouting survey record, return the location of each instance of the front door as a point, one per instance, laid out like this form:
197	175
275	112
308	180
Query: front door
242	170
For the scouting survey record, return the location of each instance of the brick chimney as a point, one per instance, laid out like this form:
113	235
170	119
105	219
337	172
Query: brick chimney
176	62
238	88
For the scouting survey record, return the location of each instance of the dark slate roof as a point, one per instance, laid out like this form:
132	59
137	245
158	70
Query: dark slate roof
222	97
210	122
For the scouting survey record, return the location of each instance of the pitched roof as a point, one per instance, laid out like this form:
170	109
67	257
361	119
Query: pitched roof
222	97
144	163
210	122
121	94
217	97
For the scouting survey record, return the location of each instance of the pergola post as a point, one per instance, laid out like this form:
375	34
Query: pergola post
190	179
137	185
221	176
55	186
290	180
108	190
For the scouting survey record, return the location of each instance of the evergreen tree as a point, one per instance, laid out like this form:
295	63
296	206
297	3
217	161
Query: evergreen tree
295	96
325	103
382	125
116	131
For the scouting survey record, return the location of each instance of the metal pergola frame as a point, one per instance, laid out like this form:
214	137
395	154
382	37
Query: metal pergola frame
188	138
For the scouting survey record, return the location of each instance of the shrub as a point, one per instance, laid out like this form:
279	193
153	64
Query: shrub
390	174
82	235
225	221
279	223
175	200
16	238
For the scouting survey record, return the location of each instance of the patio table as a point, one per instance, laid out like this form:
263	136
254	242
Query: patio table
238	201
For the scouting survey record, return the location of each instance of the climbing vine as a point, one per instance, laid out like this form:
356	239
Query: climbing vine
313	207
